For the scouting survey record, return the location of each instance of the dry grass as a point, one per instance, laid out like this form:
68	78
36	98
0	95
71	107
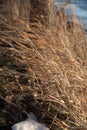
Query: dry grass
49	65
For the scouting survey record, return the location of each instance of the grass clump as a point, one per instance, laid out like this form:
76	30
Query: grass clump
54	83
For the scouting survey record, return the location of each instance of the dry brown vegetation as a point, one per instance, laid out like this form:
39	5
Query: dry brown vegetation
45	71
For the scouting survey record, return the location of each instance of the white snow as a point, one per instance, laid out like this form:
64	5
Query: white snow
30	123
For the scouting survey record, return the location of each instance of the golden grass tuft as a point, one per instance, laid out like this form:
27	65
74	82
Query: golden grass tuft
48	65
